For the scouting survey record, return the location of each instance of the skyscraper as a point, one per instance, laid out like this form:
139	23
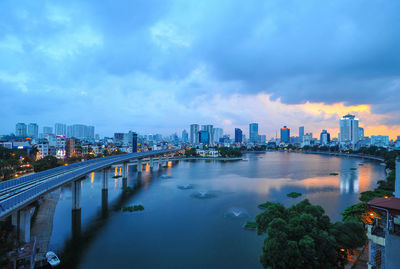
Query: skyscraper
194	134
253	132
20	129
33	130
204	137
218	133
210	130
60	129
301	133
325	137
285	134
134	142
185	136
238	135
47	130
349	129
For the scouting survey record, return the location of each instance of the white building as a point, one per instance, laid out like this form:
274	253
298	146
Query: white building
380	141
43	149
307	138
349	130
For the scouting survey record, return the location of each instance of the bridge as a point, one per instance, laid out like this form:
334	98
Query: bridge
17	195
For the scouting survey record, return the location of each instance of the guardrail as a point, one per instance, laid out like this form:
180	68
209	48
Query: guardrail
29	195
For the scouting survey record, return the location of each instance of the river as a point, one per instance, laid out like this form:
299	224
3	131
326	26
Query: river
195	210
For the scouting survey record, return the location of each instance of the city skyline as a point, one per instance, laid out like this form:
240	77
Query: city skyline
166	74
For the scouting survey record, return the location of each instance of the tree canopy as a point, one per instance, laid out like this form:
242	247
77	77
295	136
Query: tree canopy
302	236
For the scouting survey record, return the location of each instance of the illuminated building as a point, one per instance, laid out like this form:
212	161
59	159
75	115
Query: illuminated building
285	134
349	130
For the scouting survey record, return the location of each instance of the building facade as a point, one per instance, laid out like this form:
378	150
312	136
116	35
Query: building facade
33	130
20	129
285	134
349	130
194	134
238	135
325	137
253	132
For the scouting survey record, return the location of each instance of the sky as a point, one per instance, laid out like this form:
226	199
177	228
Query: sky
157	66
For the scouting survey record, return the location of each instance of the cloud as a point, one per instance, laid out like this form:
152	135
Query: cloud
158	66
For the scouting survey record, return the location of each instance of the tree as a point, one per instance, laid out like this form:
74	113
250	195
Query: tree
302	236
45	163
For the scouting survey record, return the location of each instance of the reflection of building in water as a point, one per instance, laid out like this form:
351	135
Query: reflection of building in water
349	182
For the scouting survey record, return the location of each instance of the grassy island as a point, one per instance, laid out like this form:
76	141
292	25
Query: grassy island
127	189
117	176
333	174
353	168
132	208
293	194
250	225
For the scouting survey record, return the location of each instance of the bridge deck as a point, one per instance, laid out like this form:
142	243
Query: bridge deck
17	193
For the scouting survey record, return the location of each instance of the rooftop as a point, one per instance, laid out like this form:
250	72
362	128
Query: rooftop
391	203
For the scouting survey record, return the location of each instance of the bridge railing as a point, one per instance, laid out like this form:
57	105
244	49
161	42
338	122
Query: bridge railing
23	197
60	169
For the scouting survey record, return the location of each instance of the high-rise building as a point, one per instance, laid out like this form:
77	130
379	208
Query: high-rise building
185	136
134	142
238	135
33	130
218	133
47	130
194	134
20	129
349	129
210	130
253	132
285	134
325	137
380	141
90	132
301	133
204	137
360	133
60	129
118	138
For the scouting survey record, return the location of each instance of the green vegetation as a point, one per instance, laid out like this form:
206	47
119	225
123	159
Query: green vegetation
191	153
133	208
250	225
227	152
117	176
294	194
127	189
45	163
353	168
359	211
333	174
13	161
302	236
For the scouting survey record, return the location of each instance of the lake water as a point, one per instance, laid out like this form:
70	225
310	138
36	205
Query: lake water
195	210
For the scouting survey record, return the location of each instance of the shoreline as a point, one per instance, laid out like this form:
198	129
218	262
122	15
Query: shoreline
340	154
213	158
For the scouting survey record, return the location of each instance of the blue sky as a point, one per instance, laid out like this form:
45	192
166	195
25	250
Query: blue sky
157	66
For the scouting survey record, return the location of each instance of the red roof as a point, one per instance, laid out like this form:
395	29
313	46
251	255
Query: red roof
392	204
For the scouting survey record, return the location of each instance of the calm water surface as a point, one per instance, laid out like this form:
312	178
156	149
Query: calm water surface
195	210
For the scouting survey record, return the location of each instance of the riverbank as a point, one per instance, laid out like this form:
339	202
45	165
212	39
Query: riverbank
212	158
341	154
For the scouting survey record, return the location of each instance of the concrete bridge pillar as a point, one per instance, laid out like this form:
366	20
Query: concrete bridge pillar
151	163
139	165
22	221
76	195
105	180
124	170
